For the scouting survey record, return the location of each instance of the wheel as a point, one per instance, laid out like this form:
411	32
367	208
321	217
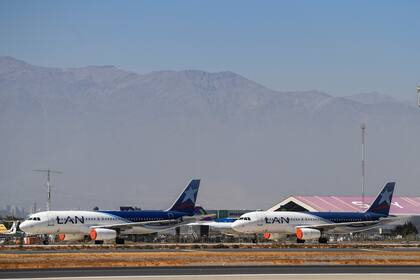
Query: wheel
45	242
300	240
119	241
323	240
98	242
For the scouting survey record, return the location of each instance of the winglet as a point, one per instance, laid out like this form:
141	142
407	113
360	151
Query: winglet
186	201
382	203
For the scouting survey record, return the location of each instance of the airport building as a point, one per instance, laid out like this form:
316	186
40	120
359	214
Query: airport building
401	205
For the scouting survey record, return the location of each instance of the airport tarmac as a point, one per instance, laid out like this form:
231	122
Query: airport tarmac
266	277
258	277
224	272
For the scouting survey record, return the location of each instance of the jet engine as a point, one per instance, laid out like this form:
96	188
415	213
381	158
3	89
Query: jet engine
70	237
307	233
102	234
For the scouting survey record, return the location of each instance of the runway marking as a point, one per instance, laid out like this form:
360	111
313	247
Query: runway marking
374	250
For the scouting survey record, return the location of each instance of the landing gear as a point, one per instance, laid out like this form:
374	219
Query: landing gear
99	242
323	240
45	239
300	240
119	240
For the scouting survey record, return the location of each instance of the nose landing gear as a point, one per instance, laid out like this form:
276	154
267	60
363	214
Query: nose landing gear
45	239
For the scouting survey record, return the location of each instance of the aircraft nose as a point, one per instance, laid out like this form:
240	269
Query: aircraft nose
24	226
237	226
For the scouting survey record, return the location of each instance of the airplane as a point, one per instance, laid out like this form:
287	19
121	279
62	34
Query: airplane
317	225
7	232
110	225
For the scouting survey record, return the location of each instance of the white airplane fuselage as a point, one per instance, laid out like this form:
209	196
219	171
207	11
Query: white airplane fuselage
256	222
81	222
288	222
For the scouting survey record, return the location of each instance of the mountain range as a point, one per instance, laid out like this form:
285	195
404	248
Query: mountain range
126	138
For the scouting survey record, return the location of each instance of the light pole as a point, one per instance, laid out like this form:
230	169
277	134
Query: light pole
418	92
363	127
49	172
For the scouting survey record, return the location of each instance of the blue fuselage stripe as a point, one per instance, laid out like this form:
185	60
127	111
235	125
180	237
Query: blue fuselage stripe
146	215
340	217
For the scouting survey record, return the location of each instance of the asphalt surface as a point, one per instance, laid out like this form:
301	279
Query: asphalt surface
208	270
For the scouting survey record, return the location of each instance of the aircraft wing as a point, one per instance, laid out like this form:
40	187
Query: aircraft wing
356	226
169	222
199	218
201	223
129	225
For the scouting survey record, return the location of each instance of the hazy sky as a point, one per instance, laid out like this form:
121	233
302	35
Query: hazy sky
340	47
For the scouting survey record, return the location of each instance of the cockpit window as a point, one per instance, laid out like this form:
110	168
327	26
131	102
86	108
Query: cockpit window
245	218
34	219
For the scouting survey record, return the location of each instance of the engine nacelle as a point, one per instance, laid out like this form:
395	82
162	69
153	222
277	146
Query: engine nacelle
307	233
70	237
102	234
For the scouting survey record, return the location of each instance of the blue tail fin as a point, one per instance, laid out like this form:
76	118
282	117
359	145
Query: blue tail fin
186	201
382	202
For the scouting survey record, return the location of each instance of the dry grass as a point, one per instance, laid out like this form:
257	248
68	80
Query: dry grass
184	258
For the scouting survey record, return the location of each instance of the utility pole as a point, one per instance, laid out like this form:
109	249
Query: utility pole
34	208
363	127
49	172
418	92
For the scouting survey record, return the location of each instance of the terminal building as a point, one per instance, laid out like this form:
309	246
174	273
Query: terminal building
400	205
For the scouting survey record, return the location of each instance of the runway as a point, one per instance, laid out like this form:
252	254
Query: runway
225	272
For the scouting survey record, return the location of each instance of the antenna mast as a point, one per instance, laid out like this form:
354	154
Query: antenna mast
418	92
49	172
363	127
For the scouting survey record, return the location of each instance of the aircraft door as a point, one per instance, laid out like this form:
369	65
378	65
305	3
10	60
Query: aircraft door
50	220
260	224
